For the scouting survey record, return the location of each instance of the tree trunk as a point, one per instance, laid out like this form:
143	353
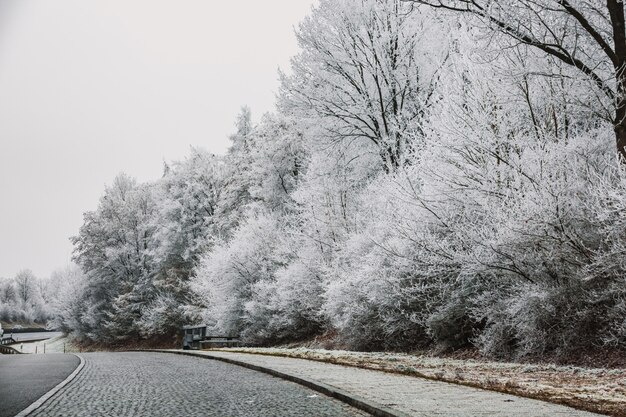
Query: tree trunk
620	129
619	124
616	12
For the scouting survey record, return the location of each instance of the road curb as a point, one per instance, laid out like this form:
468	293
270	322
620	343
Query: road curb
370	407
34	406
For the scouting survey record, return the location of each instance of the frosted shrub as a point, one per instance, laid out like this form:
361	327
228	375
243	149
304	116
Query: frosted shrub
165	315
385	283
540	249
526	260
226	276
297	300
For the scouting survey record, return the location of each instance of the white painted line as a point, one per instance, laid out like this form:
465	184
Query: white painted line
34	406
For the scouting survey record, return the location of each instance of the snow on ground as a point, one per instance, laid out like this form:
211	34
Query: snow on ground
57	344
32	336
593	389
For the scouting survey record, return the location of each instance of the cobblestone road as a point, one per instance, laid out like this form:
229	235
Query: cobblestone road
156	384
414	396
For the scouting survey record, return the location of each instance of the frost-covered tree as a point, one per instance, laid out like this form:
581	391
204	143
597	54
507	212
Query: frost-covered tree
237	280
424	183
113	248
259	284
24	299
138	249
227	276
367	72
586	35
186	197
68	302
185	226
25	286
237	178
7	291
278	161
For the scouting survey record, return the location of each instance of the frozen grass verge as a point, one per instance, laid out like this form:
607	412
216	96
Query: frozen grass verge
600	390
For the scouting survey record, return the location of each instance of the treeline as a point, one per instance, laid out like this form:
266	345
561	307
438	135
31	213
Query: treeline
427	179
27	299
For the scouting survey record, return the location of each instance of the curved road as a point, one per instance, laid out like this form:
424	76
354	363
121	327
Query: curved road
25	337
156	384
25	378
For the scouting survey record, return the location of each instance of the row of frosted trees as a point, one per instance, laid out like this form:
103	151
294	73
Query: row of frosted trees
26	299
431	177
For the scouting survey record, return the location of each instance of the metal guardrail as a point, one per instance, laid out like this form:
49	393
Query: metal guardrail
8	330
8	350
7	341
219	341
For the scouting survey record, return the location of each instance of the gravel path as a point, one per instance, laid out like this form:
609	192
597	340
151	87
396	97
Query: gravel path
414	396
157	384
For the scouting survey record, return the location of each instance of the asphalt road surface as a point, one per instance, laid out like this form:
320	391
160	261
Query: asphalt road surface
25	378
158	384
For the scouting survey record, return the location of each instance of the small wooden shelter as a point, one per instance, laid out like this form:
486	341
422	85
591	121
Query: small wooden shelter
197	337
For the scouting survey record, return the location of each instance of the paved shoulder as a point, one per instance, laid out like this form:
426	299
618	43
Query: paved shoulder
411	395
25	378
157	384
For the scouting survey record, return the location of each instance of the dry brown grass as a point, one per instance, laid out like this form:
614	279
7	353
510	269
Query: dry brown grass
600	390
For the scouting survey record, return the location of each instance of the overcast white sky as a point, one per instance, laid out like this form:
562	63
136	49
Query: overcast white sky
92	88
